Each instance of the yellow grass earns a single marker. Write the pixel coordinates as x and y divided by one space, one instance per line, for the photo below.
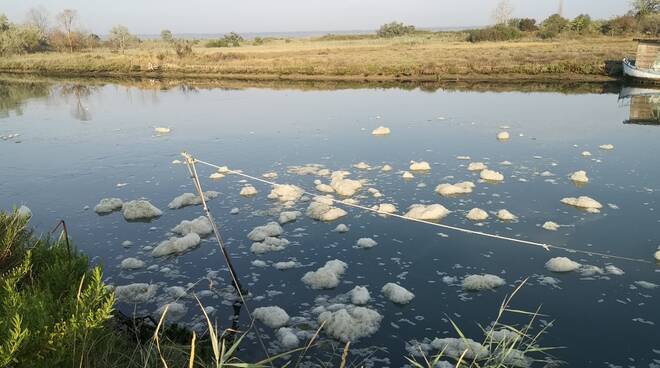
417 58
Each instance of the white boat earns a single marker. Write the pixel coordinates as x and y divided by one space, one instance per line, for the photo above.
631 70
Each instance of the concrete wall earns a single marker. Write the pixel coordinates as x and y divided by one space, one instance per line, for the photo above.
647 54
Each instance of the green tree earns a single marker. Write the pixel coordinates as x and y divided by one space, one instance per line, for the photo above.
645 7
395 29
120 37
4 23
166 35
553 26
581 23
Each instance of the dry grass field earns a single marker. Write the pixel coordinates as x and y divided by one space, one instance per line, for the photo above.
423 58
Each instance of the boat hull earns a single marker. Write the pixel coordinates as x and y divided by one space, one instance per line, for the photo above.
630 70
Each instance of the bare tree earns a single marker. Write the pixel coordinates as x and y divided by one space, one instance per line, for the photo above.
38 18
503 12
120 37
645 7
66 20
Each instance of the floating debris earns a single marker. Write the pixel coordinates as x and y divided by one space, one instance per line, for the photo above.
131 263
191 199
583 202
431 212
397 294
326 277
200 226
273 316
482 282
350 323
176 245
140 210
561 264
550 225
505 215
248 191
490 175
477 166
136 293
108 205
419 166
360 295
477 214
580 177
366 243
447 190
381 130
503 136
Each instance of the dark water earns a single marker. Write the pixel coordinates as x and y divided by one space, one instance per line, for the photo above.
78 141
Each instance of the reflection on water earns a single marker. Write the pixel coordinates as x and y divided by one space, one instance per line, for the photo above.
64 165
644 105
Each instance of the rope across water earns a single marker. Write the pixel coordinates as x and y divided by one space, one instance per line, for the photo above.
517 241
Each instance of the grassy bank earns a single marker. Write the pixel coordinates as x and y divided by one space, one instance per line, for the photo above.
421 58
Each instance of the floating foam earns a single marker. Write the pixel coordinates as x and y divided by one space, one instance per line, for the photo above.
259 263
260 233
583 202
269 244
477 166
176 245
341 228
350 323
269 175
407 175
397 294
286 193
580 177
326 277
550 225
455 348
360 295
657 256
586 153
190 199
140 210
325 188
286 265
385 208
216 176
287 338
502 136
342 186
606 147
321 210
646 284
463 157
386 168
289 216
448 190
24 212
482 282
131 263
366 243
613 270
561 264
248 191
107 205
505 215
362 166
200 226
419 166
175 311
477 214
162 130
431 212
136 293
491 175
381 130
273 316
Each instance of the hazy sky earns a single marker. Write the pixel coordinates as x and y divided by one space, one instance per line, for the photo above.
218 16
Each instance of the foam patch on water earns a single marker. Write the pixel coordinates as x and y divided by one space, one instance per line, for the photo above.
326 277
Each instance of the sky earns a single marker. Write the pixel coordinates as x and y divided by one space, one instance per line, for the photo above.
220 16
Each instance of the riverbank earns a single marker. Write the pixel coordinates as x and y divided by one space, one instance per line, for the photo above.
419 58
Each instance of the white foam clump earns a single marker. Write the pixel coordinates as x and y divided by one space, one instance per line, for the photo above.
491 175
366 243
248 191
419 166
614 270
273 316
657 256
586 153
561 264
646 284
447 189
326 277
270 244
259 263
175 311
344 187
341 228
477 166
455 348
131 263
288 216
260 233
381 130
140 210
200 226
107 205
162 130
136 293
362 166
606 147
176 245
502 136
477 214
482 282
24 212
580 177
463 157
360 295
285 265
269 175
325 188
550 225
427 212
321 209
387 208
386 168
350 323
191 199
287 338
407 175
584 202
397 294
216 175
505 215
286 193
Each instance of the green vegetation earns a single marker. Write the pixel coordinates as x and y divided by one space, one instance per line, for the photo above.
231 39
499 32
395 29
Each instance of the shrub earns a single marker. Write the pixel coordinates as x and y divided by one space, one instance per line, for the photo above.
395 29
581 24
553 26
166 35
620 26
182 48
495 33
20 40
258 41
524 24
650 25
231 39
